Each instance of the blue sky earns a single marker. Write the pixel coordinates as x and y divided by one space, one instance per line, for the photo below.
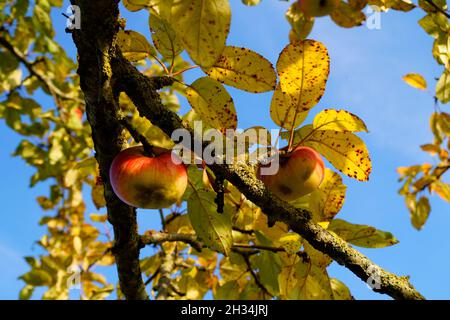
365 78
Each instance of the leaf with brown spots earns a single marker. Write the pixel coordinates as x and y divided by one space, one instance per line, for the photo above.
134 46
362 235
203 27
244 69
327 201
303 68
284 112
339 120
345 151
211 101
164 37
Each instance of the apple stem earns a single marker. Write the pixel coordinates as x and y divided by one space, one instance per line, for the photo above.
137 136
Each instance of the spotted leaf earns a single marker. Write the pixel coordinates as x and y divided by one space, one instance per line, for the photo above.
338 120
212 103
203 28
244 69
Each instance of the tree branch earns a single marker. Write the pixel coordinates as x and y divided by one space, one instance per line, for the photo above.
142 92
95 47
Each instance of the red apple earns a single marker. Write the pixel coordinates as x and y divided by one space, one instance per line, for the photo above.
300 172
317 8
149 182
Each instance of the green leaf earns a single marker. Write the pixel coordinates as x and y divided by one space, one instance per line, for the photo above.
362 235
269 266
340 290
213 228
26 292
420 215
443 88
37 277
202 27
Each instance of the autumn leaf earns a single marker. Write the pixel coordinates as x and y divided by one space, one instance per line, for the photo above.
345 151
244 69
212 103
303 69
415 80
134 46
284 112
202 27
338 120
362 235
164 37
328 200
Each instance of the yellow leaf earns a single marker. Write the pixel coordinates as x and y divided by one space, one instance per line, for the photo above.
420 213
291 242
212 103
347 16
338 120
415 80
303 68
243 69
442 189
284 112
134 46
345 151
98 196
316 257
164 37
160 7
340 290
203 28
328 200
362 235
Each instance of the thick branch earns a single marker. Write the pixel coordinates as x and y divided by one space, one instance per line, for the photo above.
95 47
142 92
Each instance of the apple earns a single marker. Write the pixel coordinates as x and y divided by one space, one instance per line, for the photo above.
300 172
149 182
317 8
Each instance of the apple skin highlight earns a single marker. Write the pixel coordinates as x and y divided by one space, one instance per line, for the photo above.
301 172
147 182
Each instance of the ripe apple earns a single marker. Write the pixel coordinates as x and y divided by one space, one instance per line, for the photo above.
301 172
149 182
317 8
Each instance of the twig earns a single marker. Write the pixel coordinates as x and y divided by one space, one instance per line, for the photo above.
445 13
255 276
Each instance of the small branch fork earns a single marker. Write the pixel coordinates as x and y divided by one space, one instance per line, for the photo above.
104 74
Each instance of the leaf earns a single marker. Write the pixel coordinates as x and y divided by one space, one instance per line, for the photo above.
202 27
346 16
345 151
98 196
164 37
291 242
301 25
327 201
340 290
269 266
284 112
313 282
338 120
303 68
26 292
420 213
159 7
244 69
362 235
212 103
251 2
442 189
213 228
415 80
134 46
443 88
228 291
37 278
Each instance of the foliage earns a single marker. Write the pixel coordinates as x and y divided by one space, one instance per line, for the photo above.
254 260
